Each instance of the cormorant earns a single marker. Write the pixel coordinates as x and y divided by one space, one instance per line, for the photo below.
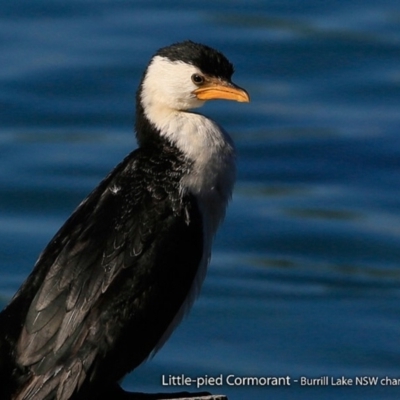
116 279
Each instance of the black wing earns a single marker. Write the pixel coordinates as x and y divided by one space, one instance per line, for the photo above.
109 284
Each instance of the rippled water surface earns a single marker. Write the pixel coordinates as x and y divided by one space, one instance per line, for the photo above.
305 276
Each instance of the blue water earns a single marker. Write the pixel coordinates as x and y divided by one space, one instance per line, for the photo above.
305 275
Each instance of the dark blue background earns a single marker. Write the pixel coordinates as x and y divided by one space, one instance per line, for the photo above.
305 276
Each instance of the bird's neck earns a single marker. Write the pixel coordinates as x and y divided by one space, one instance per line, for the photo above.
147 134
196 136
207 147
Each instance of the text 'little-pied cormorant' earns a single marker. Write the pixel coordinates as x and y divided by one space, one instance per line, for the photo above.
116 279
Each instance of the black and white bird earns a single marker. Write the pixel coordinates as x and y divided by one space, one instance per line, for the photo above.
116 279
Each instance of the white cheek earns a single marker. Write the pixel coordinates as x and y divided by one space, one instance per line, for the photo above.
169 83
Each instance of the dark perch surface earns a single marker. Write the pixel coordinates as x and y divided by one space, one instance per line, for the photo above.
120 394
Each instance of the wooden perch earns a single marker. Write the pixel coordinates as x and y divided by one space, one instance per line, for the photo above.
176 396
117 393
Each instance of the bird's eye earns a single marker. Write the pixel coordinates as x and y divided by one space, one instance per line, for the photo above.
197 79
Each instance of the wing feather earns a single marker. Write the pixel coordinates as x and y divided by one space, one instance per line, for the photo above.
65 334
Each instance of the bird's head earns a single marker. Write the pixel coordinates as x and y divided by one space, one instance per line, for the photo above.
184 75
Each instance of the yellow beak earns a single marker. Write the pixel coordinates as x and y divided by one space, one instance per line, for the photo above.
217 89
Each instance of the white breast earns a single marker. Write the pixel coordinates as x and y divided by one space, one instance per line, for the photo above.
211 150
